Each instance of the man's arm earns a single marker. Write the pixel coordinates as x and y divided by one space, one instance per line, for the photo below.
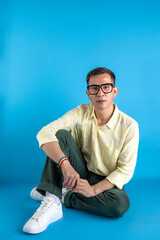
53 151
72 178
90 191
127 158
49 143
48 133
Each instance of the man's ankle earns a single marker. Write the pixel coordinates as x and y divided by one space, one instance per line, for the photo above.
56 199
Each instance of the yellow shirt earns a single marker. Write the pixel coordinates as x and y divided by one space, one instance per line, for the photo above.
109 150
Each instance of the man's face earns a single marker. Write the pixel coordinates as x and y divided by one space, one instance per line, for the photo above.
102 100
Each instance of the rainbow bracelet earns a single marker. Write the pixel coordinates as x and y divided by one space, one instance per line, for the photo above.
61 161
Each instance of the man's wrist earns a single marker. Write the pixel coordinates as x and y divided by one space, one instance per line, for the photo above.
62 160
65 164
94 190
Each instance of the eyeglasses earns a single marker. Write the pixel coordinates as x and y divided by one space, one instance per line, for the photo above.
106 88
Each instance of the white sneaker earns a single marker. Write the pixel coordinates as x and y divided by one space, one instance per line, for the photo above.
47 213
36 195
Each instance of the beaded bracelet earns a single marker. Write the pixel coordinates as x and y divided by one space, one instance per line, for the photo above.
61 161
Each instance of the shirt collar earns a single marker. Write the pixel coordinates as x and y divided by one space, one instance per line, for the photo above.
113 121
91 113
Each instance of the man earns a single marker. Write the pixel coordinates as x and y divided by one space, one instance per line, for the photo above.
91 153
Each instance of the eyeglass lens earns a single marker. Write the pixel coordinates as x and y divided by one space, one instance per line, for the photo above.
106 88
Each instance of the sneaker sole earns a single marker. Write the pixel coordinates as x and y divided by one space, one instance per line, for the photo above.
36 231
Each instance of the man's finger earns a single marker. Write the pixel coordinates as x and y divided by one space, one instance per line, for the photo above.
71 183
77 182
65 182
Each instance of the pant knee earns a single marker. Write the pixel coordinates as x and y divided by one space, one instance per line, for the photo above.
121 207
62 132
119 203
118 210
64 136
65 141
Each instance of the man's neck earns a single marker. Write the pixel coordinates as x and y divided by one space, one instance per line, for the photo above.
103 116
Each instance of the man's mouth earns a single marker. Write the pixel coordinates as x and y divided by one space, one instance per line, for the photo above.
101 101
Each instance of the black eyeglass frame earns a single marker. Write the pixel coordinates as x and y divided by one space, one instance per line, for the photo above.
100 86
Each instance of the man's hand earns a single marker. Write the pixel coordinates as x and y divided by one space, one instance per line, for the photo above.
85 188
71 176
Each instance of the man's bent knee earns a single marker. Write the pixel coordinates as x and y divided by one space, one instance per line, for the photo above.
119 202
119 209
62 132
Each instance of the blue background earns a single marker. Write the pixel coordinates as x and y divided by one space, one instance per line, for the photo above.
47 48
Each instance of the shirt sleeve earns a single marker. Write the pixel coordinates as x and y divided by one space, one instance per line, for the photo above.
127 158
67 122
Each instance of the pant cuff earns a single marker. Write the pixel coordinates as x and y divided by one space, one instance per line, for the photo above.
67 199
44 186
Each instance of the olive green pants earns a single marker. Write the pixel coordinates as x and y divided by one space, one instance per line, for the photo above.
111 203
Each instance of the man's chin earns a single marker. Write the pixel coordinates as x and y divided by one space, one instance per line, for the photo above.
101 106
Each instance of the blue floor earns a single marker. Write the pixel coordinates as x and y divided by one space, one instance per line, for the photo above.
142 221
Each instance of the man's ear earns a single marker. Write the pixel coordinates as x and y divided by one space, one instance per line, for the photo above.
115 90
88 94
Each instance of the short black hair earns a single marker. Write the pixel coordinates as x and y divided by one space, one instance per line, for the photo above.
100 70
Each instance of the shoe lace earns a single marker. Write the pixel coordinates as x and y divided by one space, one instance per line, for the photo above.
44 207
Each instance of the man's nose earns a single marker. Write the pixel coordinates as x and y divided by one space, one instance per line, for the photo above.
100 93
